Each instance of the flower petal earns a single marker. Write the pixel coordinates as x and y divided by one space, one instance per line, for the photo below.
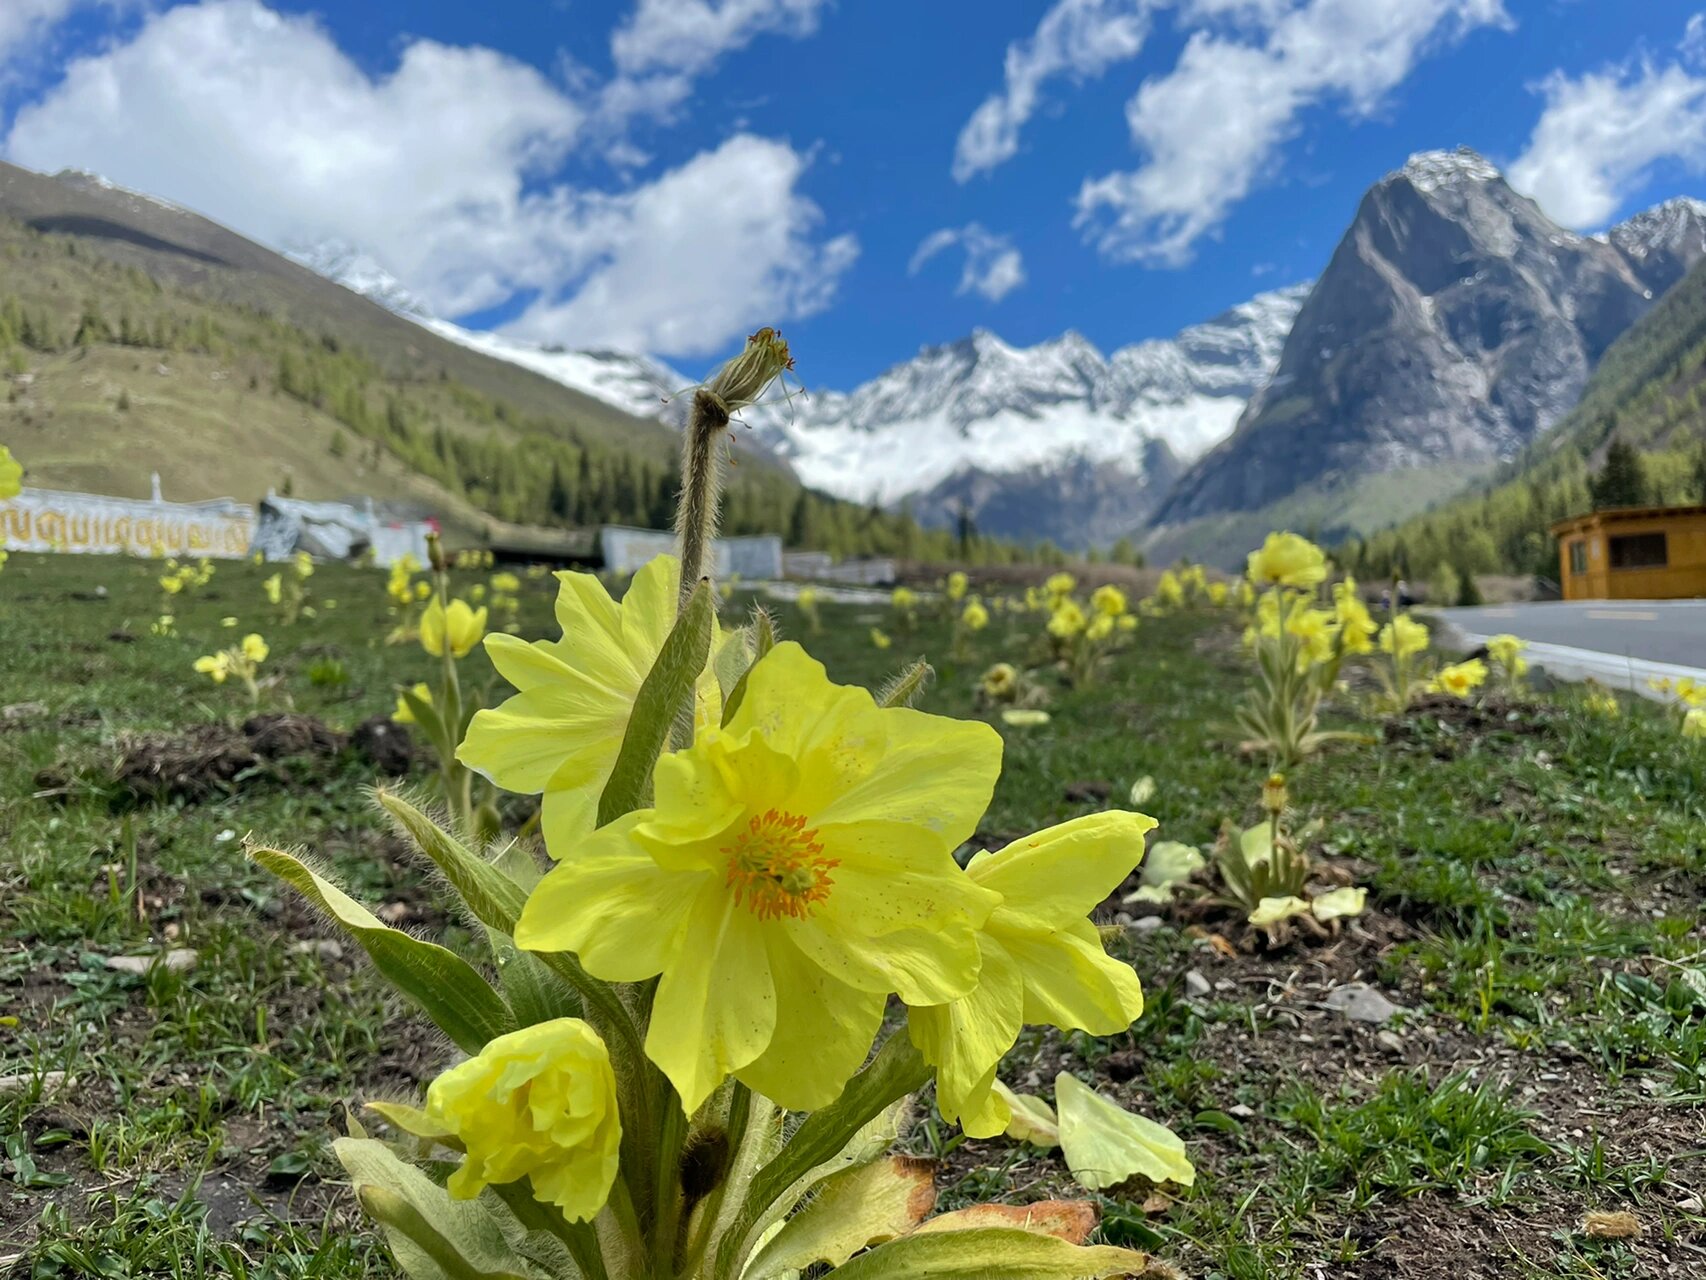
717 1014
1064 873
615 908
1072 983
824 1030
966 1040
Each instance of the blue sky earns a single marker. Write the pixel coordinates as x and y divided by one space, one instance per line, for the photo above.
666 174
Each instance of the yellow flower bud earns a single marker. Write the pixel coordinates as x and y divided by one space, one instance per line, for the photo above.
11 474
537 1103
254 648
457 628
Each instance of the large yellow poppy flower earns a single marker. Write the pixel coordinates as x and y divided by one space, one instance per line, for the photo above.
797 868
561 734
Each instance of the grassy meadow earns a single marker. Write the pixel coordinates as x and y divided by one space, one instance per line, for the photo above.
1535 871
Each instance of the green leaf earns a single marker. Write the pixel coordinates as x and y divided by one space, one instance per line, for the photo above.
1218 1120
852 1210
990 1253
763 641
855 1128
903 689
433 1235
494 898
431 723
667 688
448 989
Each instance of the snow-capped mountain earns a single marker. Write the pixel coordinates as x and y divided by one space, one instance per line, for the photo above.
1055 440
978 420
1662 243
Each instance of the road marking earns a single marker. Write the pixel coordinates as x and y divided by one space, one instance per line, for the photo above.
1623 615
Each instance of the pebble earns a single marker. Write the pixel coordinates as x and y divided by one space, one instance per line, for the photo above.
1692 1204
1362 1003
325 948
23 710
1147 924
1226 984
51 1081
1242 1112
177 960
1389 1041
1196 985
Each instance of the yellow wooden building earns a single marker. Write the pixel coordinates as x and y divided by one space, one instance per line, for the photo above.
1633 553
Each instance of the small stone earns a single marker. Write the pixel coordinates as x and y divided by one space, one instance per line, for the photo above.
1196 986
23 711
394 912
225 837
1691 1204
51 1082
1389 1041
1241 1111
1226 984
1123 920
325 948
1147 924
177 960
1362 1003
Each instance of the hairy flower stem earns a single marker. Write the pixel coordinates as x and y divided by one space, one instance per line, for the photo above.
701 488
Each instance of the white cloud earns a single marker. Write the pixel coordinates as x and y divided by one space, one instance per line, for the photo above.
665 44
1077 38
442 169
993 267
707 250
690 35
1694 39
1211 129
1601 133
25 26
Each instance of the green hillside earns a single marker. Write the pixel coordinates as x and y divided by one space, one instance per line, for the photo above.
1649 391
136 337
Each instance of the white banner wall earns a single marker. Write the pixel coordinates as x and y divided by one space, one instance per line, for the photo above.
52 520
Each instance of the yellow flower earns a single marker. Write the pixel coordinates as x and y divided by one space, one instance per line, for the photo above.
1403 637
302 564
537 1103
228 622
1100 628
1694 724
975 617
1024 718
903 598
216 665
1461 679
11 474
1690 692
404 714
806 598
1287 560
1315 628
1602 703
1356 626
457 627
958 584
880 638
477 592
1506 650
423 590
1067 620
1060 584
1000 681
1042 960
171 584
1168 589
255 648
1126 622
1109 601
507 583
274 587
561 733
1217 593
796 869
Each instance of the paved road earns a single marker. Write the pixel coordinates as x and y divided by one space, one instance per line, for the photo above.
1668 631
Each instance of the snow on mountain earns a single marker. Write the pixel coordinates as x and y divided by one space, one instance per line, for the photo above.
976 421
634 384
361 273
982 405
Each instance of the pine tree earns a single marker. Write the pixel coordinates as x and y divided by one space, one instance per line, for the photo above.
1622 480
557 500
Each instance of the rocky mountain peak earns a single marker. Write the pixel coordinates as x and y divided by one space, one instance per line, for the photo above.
1429 171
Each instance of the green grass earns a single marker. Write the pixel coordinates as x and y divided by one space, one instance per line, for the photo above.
1535 890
